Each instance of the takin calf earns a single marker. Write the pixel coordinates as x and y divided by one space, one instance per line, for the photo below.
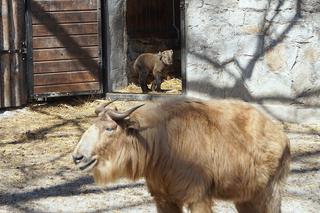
149 65
190 152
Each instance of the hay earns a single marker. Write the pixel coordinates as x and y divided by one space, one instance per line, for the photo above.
39 140
172 86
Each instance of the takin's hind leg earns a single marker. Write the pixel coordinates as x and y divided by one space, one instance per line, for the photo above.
167 207
271 206
201 207
268 201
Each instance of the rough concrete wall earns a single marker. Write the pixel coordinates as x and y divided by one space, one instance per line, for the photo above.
116 44
258 50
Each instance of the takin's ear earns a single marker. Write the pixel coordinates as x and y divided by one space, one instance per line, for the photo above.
132 124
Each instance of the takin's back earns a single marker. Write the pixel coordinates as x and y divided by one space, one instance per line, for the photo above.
147 61
235 148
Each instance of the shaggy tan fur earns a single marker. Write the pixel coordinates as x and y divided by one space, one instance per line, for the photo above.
152 66
190 152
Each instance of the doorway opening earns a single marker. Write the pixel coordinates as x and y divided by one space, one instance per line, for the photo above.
153 27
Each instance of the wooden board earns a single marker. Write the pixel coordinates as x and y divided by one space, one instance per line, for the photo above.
65 29
64 78
53 42
79 87
64 53
62 5
64 65
65 17
5 58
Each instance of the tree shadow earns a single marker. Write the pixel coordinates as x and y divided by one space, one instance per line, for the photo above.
122 207
29 171
303 157
305 170
70 188
41 133
240 90
299 156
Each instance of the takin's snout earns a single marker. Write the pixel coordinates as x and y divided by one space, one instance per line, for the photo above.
83 155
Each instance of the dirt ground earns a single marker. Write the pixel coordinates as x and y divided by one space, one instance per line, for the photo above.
37 173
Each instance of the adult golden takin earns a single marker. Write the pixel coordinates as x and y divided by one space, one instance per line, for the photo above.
190 152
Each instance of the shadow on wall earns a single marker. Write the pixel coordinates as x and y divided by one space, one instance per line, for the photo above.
206 87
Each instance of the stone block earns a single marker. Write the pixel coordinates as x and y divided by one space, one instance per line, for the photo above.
283 5
250 45
311 6
281 58
253 4
270 86
302 32
304 78
281 16
235 17
250 30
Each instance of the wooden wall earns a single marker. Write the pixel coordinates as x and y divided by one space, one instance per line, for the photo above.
13 90
65 46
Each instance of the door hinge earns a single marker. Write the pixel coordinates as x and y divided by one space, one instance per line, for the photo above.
22 50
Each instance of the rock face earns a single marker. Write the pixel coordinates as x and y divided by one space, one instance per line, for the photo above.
257 50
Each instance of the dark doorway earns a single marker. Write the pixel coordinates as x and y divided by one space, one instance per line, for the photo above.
151 27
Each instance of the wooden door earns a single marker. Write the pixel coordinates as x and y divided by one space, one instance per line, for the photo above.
64 47
13 91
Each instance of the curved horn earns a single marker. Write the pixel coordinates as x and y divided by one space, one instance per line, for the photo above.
103 106
121 115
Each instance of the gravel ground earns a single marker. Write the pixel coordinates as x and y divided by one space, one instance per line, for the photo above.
37 175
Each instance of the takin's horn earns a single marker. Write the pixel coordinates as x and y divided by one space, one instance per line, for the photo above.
102 107
121 115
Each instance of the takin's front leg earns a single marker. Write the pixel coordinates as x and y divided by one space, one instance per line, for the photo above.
143 75
201 207
156 85
167 207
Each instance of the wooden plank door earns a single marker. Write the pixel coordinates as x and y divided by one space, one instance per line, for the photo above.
12 54
65 47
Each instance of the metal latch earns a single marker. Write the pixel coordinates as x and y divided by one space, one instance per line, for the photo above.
22 50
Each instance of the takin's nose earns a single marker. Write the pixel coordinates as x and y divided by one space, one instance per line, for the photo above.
77 158
84 163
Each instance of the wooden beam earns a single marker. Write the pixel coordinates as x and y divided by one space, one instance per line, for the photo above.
17 68
5 58
139 97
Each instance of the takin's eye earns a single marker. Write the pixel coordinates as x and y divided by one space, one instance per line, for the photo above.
109 129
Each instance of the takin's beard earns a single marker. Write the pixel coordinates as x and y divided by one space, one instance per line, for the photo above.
105 172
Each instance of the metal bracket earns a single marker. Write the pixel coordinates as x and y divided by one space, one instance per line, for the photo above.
22 50
183 5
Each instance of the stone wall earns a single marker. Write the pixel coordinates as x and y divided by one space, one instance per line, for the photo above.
257 50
